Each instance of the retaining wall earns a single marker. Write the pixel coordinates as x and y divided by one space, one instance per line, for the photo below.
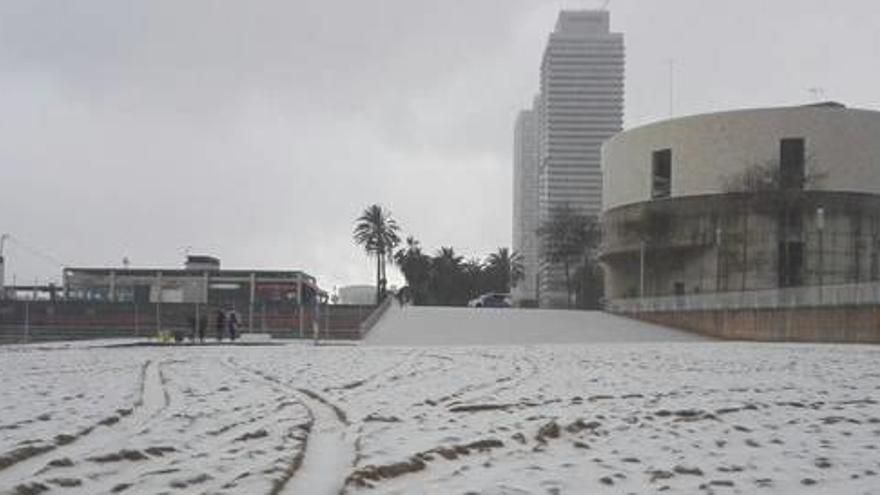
841 324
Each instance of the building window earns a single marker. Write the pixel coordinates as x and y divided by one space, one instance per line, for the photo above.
661 174
791 163
875 266
791 264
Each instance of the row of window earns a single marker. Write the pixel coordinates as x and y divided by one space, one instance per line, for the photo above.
791 168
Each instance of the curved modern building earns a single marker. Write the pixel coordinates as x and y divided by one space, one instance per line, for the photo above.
743 200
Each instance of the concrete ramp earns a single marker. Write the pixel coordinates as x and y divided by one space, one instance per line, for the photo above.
412 325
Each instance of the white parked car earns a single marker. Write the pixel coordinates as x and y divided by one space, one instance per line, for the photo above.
491 300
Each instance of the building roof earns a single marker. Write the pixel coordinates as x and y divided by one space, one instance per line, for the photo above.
182 271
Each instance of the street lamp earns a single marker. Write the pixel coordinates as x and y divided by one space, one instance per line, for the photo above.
718 240
820 227
642 247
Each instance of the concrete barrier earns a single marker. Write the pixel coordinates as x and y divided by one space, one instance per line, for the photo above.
839 324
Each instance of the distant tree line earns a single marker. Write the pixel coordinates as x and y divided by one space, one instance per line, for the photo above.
447 279
443 278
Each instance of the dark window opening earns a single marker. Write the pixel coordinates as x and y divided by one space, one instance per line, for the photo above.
661 174
791 221
679 291
791 163
875 266
791 264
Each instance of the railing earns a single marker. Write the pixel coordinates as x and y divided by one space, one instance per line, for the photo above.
376 315
791 297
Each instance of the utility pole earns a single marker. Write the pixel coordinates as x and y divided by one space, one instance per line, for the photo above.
158 302
27 321
251 302
327 317
3 238
642 269
299 302
718 240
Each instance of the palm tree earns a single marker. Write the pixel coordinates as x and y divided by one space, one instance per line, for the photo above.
416 267
446 277
376 231
505 269
474 275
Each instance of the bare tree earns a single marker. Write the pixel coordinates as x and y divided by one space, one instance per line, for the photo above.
767 187
569 238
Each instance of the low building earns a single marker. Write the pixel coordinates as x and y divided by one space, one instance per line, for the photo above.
357 294
779 203
200 281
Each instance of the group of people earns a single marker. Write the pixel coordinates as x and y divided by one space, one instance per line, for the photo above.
226 324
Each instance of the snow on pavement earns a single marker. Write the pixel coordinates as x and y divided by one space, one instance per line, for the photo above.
411 325
602 417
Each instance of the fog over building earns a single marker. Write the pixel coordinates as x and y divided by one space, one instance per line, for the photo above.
580 106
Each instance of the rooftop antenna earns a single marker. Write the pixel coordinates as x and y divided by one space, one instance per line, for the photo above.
671 63
3 238
125 262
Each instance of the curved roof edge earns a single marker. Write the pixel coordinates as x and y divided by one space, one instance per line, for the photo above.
825 106
807 194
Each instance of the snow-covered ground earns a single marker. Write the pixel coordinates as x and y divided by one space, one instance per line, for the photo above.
591 417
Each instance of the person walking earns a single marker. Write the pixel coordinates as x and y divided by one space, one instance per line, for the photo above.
203 325
220 324
192 328
316 320
233 325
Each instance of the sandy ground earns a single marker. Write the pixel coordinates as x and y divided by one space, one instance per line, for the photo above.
597 417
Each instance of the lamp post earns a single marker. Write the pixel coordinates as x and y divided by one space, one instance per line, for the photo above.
158 301
718 239
820 227
642 269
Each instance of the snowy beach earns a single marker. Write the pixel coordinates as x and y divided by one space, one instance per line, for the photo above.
634 416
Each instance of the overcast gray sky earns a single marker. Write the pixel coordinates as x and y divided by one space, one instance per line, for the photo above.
257 131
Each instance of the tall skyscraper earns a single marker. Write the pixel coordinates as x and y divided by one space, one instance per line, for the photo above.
525 200
581 105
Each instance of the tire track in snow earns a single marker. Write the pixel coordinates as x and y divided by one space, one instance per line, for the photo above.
152 400
479 385
359 384
476 383
15 457
524 370
165 468
327 455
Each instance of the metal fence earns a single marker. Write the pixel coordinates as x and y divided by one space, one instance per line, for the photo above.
36 321
790 297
